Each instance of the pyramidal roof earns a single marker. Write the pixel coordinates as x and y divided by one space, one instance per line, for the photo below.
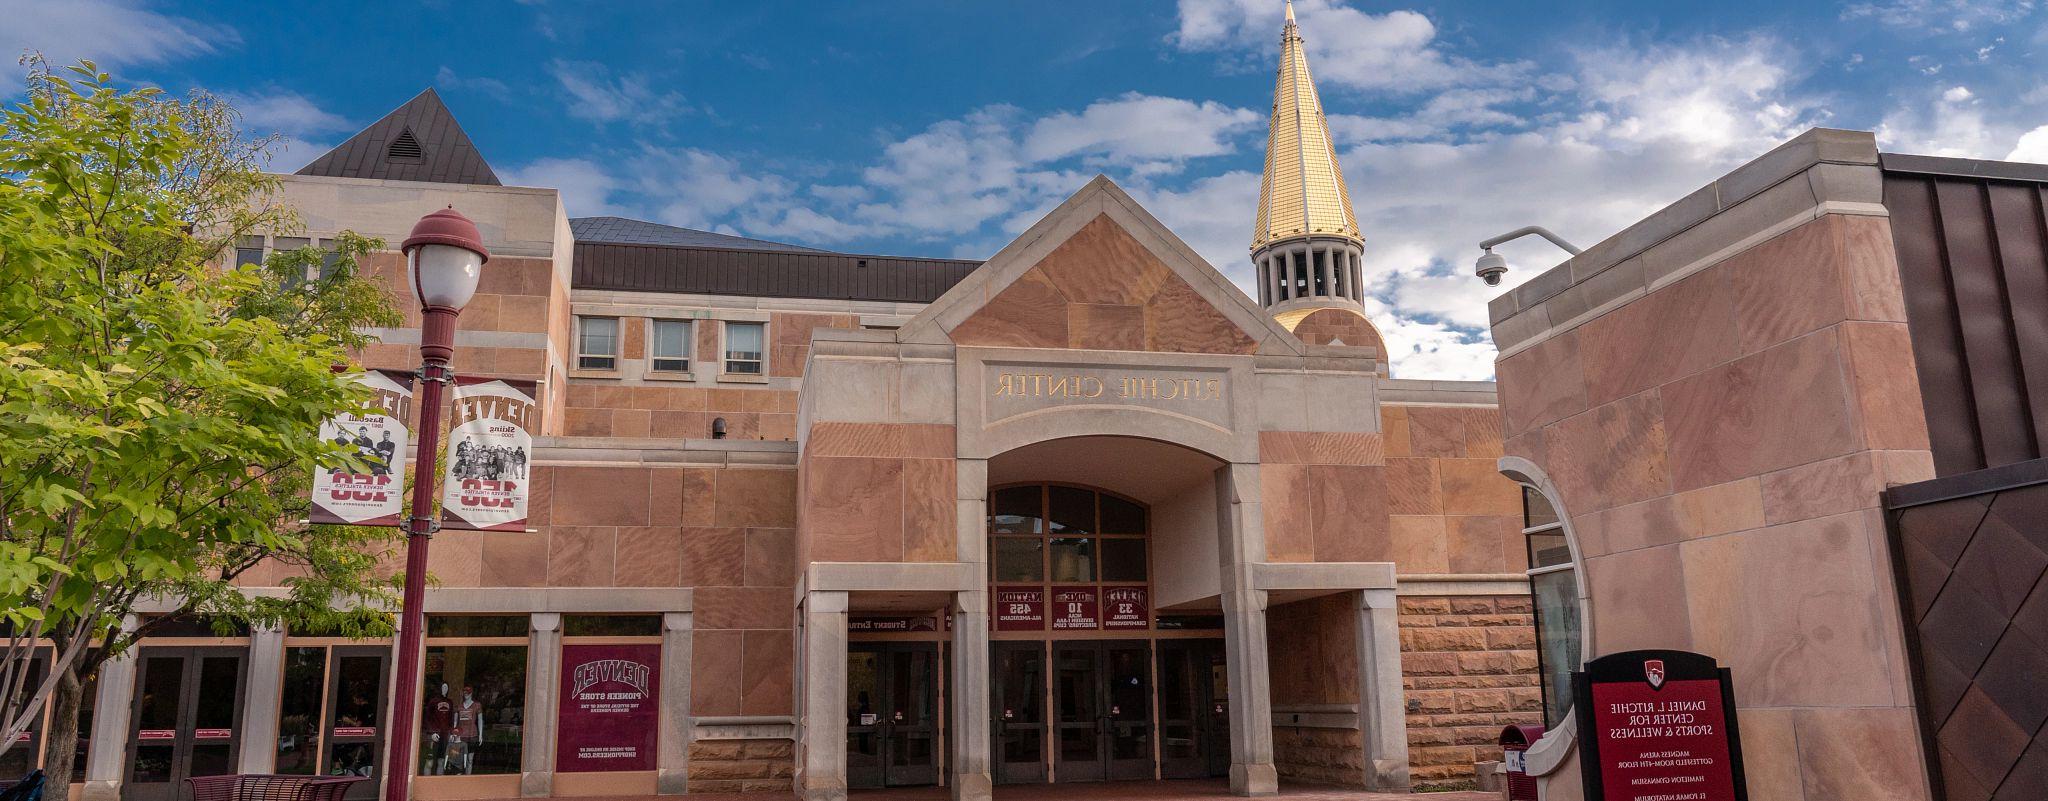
418 141
1303 193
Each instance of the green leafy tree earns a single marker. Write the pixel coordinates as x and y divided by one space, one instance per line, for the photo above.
159 404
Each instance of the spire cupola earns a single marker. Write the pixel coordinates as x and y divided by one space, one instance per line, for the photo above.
1305 242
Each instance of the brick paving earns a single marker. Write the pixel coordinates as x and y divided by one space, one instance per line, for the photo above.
1107 791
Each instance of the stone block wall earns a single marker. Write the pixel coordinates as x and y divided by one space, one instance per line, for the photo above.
1315 755
1468 666
741 766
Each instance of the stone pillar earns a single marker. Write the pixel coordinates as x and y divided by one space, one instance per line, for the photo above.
266 691
1382 710
1293 274
543 683
967 697
106 760
1357 276
821 735
1243 544
672 742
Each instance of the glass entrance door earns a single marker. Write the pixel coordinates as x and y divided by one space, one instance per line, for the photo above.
1194 710
1017 680
355 706
892 719
1102 696
188 704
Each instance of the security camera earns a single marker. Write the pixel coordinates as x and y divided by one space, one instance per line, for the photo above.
1490 267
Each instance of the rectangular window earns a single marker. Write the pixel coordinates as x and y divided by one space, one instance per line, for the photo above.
298 711
611 625
671 350
471 721
743 346
328 257
249 251
287 243
597 343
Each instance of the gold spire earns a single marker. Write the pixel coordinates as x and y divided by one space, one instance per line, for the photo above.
1303 192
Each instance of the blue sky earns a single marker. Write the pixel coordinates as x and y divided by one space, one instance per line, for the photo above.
944 128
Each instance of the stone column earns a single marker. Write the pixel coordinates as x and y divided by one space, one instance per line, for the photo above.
967 697
1243 545
543 682
672 742
1382 711
259 712
1357 276
822 720
106 760
1292 289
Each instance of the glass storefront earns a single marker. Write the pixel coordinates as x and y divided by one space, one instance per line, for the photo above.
473 716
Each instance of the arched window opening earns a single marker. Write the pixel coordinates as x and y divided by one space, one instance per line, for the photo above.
1554 582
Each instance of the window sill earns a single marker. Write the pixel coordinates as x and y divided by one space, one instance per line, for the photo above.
668 375
742 378
587 373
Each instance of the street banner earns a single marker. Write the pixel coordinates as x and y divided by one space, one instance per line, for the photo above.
610 707
489 447
375 496
1658 726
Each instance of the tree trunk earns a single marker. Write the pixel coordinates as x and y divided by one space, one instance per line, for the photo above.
60 740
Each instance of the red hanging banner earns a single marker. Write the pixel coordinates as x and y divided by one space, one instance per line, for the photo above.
372 492
489 448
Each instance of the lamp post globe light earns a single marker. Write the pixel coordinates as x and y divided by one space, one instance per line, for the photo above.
444 257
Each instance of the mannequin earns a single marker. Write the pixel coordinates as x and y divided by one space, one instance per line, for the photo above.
437 722
468 730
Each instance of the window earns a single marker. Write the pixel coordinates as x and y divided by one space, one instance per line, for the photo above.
1051 540
611 625
473 719
671 346
1555 585
743 343
289 243
328 258
597 343
249 251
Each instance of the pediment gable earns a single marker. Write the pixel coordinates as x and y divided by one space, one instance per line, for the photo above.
1099 273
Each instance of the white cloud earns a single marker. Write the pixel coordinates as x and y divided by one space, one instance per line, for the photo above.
697 188
1396 51
111 32
2033 146
1946 122
1136 128
447 78
287 112
595 95
1936 16
585 185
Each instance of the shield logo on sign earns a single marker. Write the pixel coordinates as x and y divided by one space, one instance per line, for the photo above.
1653 671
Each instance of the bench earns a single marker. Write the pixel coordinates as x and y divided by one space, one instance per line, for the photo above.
270 787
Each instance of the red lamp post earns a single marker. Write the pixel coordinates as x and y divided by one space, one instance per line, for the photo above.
444 256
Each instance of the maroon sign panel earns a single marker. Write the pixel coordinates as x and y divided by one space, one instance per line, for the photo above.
1658 726
1125 608
609 709
1020 609
1076 608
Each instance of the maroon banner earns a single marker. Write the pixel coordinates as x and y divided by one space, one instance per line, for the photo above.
1076 608
371 493
489 446
609 708
1126 608
1658 726
1020 609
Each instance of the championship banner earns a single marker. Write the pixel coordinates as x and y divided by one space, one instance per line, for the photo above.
375 497
488 450
609 709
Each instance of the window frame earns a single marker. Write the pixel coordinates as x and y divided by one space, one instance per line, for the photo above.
1561 527
611 360
654 356
726 360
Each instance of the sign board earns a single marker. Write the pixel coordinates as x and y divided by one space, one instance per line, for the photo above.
1020 609
372 492
609 707
1076 608
1658 726
489 448
1125 608
892 623
1011 389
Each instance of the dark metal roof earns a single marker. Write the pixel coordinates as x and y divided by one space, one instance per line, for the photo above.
624 231
418 141
1972 244
764 273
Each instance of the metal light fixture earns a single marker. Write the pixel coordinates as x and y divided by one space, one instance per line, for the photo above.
444 257
1491 266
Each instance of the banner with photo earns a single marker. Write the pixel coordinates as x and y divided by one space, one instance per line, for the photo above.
375 496
489 447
